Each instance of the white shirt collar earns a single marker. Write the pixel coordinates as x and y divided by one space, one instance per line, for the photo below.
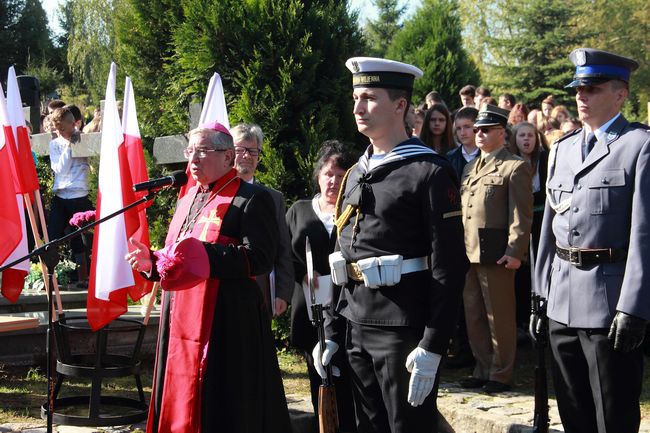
469 156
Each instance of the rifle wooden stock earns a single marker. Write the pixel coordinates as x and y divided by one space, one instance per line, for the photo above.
328 418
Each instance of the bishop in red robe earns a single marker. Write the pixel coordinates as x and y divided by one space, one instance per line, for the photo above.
216 368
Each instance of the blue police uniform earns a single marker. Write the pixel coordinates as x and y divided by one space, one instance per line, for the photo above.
592 258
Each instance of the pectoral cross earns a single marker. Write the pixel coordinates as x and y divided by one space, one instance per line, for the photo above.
206 221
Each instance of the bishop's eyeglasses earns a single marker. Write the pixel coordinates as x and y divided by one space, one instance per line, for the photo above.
190 152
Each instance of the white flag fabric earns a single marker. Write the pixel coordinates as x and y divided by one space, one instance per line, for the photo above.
122 164
112 272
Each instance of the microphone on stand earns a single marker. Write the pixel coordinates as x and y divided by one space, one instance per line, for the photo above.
176 179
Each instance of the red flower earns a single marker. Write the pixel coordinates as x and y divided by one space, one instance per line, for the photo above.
80 219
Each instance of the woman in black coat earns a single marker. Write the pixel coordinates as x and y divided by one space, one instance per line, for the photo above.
314 218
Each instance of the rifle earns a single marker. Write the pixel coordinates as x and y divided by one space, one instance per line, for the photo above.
538 308
328 417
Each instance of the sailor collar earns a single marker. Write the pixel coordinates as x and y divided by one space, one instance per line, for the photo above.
406 149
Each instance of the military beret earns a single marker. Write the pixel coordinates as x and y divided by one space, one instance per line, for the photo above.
492 115
384 73
598 66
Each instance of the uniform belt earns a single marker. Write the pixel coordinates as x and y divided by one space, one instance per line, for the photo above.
408 266
591 256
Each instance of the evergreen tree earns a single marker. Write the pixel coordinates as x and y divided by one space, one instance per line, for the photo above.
623 27
144 49
23 34
432 41
540 36
380 32
281 62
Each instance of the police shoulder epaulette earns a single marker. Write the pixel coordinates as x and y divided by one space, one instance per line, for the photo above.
567 135
639 125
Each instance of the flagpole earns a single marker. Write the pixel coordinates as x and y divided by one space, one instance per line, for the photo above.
152 301
37 239
46 238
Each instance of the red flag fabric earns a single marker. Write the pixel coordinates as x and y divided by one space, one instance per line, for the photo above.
9 216
111 277
24 167
136 221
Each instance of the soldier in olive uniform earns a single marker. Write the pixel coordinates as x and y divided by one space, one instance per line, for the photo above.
497 198
594 251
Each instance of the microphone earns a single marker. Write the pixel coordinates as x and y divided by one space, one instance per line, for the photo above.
175 179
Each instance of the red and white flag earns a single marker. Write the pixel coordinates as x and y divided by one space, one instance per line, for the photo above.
25 168
12 214
214 110
111 277
136 222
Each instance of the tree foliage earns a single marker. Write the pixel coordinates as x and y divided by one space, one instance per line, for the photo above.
523 47
380 32
538 37
432 41
281 62
23 34
624 28
91 42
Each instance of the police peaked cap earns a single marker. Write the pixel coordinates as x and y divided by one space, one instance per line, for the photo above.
598 66
384 73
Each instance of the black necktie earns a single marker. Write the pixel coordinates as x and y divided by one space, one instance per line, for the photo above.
590 142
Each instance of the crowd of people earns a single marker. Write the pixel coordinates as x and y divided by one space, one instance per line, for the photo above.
426 248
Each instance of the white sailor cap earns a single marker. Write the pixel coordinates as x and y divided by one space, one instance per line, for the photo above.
384 73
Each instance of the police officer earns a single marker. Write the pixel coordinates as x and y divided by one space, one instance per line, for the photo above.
401 264
593 255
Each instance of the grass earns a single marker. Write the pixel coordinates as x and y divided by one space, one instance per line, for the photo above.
23 389
294 373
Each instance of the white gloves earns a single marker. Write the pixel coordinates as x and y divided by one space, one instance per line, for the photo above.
321 360
423 366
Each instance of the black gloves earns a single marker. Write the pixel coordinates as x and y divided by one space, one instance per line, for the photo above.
627 332
538 325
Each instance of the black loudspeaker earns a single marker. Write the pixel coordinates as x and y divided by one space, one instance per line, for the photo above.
29 90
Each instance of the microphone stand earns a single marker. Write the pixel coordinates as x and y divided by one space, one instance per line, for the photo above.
49 253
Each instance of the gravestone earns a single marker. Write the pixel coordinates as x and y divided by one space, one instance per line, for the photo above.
166 150
169 149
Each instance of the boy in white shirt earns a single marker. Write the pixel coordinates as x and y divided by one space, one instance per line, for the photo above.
70 187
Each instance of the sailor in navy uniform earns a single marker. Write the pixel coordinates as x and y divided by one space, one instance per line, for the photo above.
594 252
401 262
